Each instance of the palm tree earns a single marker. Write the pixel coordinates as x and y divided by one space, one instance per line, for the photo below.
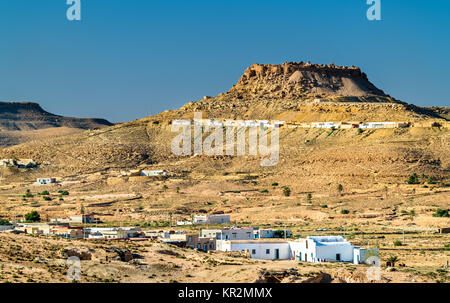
392 260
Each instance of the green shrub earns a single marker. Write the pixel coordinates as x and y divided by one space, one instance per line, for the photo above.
413 179
4 222
441 213
275 184
44 193
33 217
324 206
47 198
28 194
398 243
286 191
431 180
345 211
265 191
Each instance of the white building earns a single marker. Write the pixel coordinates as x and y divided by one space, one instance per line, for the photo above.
325 125
258 249
211 219
112 233
183 223
322 248
45 181
232 233
154 173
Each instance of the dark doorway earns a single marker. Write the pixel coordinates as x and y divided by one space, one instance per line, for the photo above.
338 257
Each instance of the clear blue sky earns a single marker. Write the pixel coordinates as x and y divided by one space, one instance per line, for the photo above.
128 59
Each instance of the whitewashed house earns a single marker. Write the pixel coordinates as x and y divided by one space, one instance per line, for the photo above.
325 125
258 249
112 233
154 173
45 181
322 249
231 233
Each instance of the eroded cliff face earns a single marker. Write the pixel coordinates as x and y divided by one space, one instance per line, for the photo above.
306 80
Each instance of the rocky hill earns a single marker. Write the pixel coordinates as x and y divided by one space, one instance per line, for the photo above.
305 92
25 121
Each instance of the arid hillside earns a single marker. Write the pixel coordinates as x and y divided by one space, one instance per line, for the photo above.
292 92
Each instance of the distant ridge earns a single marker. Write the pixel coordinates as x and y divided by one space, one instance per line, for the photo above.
26 116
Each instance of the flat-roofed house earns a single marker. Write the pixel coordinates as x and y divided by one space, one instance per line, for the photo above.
154 173
84 219
112 233
38 228
322 249
257 249
232 233
45 181
211 219
67 232
202 243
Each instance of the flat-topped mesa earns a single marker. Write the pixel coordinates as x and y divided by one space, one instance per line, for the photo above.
15 116
298 80
285 69
17 106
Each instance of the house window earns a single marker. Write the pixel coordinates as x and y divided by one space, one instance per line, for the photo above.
253 251
190 239
267 251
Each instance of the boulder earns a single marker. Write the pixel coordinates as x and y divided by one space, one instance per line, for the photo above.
119 254
83 253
